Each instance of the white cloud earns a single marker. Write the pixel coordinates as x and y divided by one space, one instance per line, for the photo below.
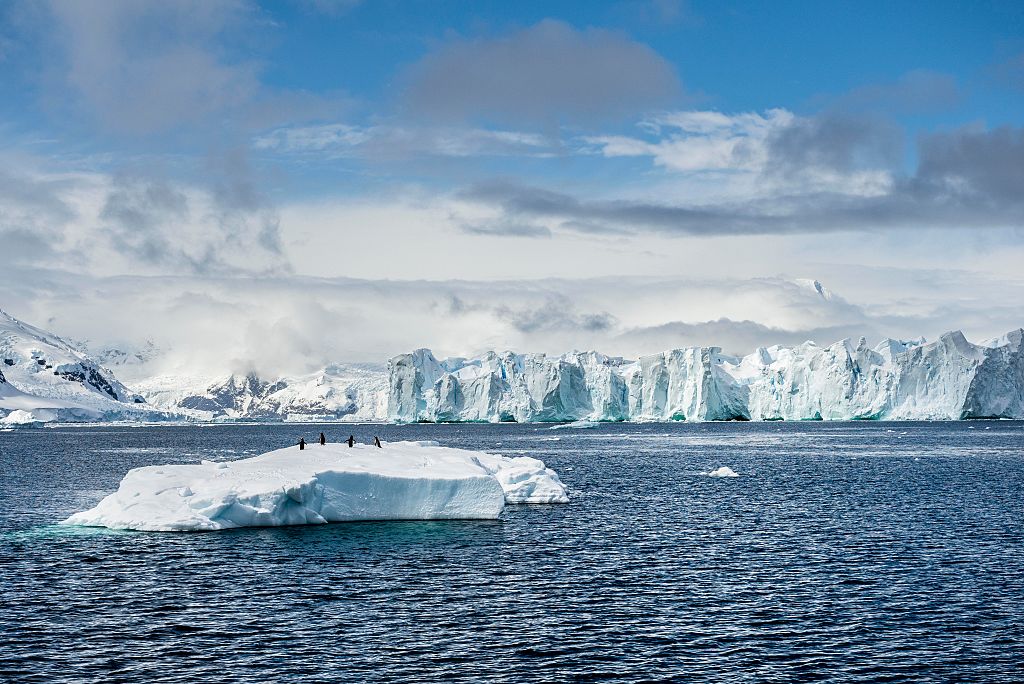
313 138
392 141
214 324
701 141
103 224
141 67
738 151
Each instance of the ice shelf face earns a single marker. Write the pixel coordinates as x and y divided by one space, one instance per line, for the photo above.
948 379
44 378
321 484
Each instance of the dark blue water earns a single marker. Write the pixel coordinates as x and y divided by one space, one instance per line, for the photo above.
845 551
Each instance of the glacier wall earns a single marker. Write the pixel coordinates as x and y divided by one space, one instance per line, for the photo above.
947 379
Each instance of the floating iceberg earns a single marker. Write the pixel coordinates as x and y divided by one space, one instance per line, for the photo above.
19 418
576 425
723 471
322 484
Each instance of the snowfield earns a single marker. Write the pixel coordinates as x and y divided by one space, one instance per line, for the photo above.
44 379
322 484
338 392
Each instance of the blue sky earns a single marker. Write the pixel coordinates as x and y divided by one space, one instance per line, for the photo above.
740 56
722 147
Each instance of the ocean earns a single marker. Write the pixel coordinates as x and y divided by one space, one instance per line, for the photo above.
842 552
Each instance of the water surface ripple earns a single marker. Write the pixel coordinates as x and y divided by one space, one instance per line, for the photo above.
843 552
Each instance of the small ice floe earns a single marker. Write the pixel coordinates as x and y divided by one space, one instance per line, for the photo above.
325 483
576 425
723 471
20 419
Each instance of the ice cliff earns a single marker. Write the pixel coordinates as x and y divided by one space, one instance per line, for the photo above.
321 484
45 378
948 379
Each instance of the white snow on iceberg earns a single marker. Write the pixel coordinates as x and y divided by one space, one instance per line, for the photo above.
524 479
322 484
576 425
723 471
19 418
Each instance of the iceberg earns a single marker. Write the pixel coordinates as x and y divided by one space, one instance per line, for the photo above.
723 471
20 418
322 484
575 425
948 379
506 387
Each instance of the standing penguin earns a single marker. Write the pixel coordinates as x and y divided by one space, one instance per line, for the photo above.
323 440
376 442
351 441
302 443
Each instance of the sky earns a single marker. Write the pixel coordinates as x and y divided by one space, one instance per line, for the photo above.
274 186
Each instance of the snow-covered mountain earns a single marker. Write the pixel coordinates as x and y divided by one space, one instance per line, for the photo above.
948 379
44 378
337 392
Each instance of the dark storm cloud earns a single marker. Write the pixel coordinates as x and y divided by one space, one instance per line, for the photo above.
522 204
980 167
834 141
964 179
545 73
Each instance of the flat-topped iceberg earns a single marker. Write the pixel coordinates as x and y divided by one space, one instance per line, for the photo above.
322 484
